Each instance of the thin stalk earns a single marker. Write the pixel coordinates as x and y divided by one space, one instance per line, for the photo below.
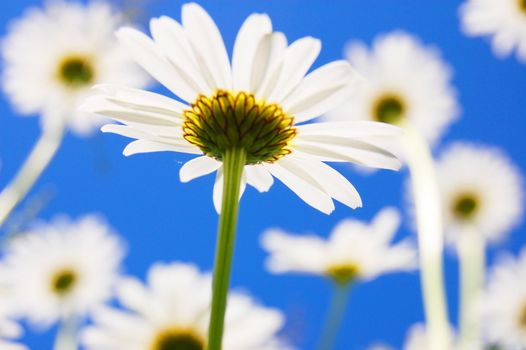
471 251
66 338
430 237
233 163
37 161
335 315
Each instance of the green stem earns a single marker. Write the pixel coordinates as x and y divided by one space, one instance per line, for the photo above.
428 211
472 261
34 165
233 163
334 316
66 335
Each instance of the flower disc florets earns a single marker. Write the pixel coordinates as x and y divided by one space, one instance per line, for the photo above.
229 120
175 339
389 109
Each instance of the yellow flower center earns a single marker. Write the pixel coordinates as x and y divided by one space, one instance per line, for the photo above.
178 339
76 71
465 206
229 120
64 281
522 6
522 318
343 273
389 108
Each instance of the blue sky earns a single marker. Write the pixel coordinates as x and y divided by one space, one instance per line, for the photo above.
164 220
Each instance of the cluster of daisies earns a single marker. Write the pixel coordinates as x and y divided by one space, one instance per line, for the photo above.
65 64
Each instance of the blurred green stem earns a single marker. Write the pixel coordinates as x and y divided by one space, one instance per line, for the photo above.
67 334
471 251
428 210
334 316
233 164
34 165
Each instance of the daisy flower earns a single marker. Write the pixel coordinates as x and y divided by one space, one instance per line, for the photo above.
253 106
504 304
172 312
354 250
471 199
52 56
502 20
406 83
63 269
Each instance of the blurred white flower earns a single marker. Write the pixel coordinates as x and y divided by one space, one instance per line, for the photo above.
9 330
502 20
172 312
252 105
53 56
355 249
63 269
504 303
405 82
481 189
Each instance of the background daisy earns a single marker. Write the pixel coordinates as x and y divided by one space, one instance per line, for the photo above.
481 188
172 312
52 56
405 83
63 269
504 304
503 21
354 250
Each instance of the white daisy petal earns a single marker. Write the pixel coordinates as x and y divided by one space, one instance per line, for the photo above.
207 45
299 57
244 58
218 188
322 90
101 105
198 167
217 194
267 66
360 129
348 150
147 146
140 99
334 183
146 54
301 183
170 37
259 177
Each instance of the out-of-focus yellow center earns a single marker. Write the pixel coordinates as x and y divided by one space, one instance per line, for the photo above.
522 317
228 120
76 71
343 273
64 281
389 108
178 339
465 206
522 6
